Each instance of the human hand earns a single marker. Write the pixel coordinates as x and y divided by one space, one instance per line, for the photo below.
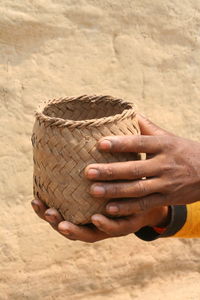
101 227
172 171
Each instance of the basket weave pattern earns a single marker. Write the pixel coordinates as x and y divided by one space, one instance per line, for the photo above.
64 141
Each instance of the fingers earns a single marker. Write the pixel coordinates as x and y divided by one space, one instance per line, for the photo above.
85 233
39 208
123 170
135 205
53 217
131 143
149 128
73 232
138 188
89 234
117 227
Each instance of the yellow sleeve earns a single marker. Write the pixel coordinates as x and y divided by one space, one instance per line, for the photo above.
191 228
184 223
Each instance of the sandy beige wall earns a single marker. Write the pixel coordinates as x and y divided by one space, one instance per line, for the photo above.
144 51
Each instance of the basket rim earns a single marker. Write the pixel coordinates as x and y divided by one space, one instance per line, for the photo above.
59 122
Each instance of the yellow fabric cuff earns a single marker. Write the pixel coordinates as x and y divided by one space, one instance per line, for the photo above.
191 228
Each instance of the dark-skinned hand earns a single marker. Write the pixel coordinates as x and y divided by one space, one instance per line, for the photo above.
171 171
101 227
171 174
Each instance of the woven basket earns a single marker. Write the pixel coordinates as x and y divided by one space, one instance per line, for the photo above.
64 141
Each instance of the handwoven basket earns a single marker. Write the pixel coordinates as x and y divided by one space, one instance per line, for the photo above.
64 141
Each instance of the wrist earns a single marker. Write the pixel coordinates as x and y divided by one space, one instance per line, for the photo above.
159 217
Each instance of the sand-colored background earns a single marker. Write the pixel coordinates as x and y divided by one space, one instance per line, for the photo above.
144 51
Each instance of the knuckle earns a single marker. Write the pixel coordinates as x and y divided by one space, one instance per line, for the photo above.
135 171
140 143
159 140
120 144
113 190
168 143
125 208
168 167
168 186
107 172
144 204
141 187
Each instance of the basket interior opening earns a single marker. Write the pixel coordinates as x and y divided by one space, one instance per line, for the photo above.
78 110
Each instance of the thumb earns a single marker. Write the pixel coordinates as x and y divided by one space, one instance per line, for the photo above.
149 128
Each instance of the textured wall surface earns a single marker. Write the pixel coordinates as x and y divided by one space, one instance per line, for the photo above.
144 51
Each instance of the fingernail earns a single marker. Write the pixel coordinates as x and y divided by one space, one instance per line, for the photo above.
93 173
50 218
35 207
64 228
113 208
105 145
96 221
65 232
97 190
